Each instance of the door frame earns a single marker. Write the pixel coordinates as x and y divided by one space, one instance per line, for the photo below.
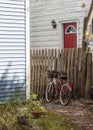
62 31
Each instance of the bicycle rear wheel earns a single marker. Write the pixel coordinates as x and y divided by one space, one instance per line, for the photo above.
49 92
64 95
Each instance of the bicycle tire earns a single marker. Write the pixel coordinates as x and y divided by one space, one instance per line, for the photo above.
65 95
49 92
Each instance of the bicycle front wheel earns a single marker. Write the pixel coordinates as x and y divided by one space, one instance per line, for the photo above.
49 92
64 95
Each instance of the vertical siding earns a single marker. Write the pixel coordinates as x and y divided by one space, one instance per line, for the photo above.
12 48
42 13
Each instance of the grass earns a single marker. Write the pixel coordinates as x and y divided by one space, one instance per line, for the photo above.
54 121
10 112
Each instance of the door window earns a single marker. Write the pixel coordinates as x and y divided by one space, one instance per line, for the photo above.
70 29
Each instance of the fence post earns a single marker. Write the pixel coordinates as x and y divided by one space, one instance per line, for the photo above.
79 71
84 74
88 86
75 73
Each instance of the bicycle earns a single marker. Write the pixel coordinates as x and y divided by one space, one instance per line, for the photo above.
58 87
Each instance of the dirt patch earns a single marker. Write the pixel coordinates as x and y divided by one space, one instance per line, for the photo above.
79 112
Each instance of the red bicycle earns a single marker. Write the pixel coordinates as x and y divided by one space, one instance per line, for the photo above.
58 87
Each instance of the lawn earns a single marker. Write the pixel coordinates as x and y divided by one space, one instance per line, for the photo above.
18 116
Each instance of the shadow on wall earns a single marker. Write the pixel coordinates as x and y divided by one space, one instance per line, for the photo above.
11 87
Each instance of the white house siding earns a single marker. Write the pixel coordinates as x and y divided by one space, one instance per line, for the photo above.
12 48
42 12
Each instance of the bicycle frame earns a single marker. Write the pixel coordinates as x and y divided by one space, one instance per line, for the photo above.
56 83
59 81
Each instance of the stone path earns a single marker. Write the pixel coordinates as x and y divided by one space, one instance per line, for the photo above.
78 112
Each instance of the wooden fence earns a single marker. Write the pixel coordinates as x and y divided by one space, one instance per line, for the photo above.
76 64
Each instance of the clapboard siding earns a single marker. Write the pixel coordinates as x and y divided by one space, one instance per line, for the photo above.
12 48
42 35
12 76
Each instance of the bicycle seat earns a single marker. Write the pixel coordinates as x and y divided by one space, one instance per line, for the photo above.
64 77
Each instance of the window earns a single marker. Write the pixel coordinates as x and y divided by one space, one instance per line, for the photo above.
70 29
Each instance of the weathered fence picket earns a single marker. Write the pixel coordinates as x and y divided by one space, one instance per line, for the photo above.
72 61
79 70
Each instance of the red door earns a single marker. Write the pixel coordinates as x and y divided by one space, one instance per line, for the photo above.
70 35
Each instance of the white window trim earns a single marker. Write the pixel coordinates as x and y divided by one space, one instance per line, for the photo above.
62 32
27 49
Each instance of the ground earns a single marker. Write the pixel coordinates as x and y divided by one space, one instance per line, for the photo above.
77 115
79 112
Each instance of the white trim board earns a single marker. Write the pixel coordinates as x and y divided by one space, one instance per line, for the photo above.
62 32
27 49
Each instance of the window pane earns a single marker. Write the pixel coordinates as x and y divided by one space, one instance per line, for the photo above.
70 29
